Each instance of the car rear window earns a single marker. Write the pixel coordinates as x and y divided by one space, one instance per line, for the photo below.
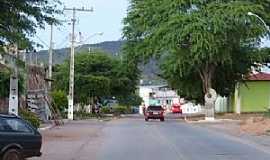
155 108
14 125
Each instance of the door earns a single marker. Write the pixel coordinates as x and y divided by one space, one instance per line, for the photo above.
16 131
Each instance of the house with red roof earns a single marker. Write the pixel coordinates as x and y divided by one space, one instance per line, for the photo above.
252 95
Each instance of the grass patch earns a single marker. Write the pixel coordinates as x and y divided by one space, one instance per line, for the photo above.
267 113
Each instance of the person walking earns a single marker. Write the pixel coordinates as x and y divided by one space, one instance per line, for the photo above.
98 110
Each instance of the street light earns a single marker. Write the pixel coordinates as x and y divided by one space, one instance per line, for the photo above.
71 80
260 18
91 36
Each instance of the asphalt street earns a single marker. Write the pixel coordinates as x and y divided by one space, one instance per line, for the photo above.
135 139
129 139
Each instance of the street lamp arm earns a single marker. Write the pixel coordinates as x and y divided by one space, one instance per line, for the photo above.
260 18
91 36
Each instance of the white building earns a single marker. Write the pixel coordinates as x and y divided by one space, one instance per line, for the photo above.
161 93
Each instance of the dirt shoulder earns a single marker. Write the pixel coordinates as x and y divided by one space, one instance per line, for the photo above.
254 124
75 140
254 129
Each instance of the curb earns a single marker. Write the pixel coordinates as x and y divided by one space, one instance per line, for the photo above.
212 121
46 128
65 121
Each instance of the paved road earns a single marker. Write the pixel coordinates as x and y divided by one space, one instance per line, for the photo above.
134 139
171 140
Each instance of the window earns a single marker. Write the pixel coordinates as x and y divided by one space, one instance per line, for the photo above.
15 125
1 125
155 108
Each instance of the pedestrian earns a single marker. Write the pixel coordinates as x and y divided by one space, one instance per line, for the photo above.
144 108
98 110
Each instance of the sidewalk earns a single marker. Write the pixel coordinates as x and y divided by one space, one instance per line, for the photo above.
75 140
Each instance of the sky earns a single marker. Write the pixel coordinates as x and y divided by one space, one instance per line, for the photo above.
107 18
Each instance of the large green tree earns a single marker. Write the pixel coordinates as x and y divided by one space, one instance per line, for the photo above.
205 44
96 75
5 73
4 82
19 19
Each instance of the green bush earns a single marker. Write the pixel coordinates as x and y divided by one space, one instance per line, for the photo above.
30 117
83 115
60 101
267 113
117 111
105 110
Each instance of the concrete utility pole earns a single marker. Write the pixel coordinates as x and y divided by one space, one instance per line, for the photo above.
51 58
13 94
72 50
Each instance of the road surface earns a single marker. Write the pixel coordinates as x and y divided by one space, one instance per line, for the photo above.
172 140
134 139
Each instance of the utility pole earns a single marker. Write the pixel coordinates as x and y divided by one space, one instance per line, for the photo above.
72 50
13 94
50 58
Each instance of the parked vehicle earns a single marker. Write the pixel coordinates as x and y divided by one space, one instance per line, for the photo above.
135 109
18 139
154 112
176 108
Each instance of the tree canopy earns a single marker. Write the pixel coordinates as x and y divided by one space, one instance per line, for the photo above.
204 44
5 82
96 75
19 19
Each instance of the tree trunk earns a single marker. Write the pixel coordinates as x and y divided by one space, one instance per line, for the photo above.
206 75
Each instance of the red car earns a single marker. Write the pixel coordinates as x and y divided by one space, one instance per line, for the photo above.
176 108
154 112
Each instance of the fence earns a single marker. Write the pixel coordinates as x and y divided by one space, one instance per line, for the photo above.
221 105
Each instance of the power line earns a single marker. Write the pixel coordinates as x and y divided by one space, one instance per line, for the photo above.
64 41
43 42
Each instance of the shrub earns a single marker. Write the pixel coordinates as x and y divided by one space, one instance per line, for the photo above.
267 113
30 117
105 110
117 111
60 101
83 115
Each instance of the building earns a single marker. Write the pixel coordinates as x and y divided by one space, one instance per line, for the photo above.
162 94
252 95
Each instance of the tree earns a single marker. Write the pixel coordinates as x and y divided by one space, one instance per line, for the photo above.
5 82
205 44
96 75
60 100
19 19
130 100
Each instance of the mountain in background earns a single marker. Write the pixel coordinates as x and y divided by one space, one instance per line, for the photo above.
60 55
149 70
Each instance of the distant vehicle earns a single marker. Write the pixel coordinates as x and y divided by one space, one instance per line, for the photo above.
135 109
176 108
154 112
18 139
110 103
